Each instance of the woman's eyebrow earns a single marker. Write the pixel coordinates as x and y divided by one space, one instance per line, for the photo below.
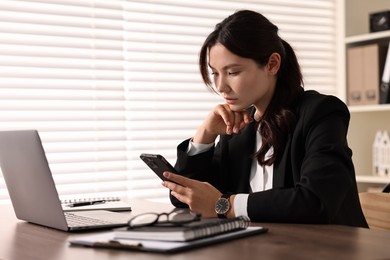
228 66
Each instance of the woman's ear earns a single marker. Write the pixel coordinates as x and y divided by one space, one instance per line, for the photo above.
273 64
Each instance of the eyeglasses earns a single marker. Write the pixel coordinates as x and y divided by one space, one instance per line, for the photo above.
175 217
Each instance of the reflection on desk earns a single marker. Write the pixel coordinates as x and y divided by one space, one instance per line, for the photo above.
21 240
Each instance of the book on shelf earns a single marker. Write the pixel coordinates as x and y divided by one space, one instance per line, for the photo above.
186 232
364 65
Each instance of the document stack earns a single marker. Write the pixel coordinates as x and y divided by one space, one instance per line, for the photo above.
171 239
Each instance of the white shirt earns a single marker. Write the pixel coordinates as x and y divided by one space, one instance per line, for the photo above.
260 176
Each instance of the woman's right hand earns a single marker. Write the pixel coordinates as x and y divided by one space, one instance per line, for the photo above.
221 120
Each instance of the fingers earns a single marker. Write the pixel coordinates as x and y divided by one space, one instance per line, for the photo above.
247 118
234 120
181 180
238 122
178 186
199 196
227 116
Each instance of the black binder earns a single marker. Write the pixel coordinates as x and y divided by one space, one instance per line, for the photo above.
384 92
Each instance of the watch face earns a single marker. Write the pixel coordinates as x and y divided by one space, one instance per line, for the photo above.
222 206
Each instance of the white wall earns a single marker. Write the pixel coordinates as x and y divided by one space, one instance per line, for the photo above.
357 14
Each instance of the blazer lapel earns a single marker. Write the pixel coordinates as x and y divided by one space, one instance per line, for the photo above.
281 166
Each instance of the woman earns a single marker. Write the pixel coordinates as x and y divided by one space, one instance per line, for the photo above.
282 154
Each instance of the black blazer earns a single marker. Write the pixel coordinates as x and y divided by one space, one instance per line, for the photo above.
314 179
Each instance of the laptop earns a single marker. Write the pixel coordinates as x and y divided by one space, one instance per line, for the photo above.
32 189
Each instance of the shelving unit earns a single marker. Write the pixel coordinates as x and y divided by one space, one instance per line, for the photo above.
366 38
365 122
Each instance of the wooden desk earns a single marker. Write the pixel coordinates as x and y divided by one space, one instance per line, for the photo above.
21 240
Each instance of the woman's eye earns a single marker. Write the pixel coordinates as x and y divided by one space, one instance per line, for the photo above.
233 73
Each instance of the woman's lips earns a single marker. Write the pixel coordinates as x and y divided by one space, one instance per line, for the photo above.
230 100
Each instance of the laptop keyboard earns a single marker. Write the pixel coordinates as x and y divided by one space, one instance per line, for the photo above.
81 221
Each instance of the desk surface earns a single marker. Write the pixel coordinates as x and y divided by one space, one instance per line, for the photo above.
21 240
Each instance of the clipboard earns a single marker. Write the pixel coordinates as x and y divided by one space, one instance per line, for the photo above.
107 240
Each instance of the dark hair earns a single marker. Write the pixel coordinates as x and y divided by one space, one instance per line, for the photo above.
250 35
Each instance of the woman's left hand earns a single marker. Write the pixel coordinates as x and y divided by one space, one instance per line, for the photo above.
199 196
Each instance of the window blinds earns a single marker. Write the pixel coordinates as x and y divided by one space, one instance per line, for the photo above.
105 80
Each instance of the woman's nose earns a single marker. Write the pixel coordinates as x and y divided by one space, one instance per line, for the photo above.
221 85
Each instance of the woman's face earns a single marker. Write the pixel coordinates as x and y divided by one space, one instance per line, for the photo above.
241 81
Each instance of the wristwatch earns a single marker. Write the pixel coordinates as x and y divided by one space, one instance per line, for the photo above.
222 205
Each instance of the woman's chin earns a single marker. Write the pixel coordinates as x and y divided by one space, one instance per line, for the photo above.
237 108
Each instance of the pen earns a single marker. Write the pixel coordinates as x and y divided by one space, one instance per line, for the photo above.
86 203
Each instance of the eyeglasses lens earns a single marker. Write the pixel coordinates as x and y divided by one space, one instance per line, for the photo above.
175 217
182 216
143 220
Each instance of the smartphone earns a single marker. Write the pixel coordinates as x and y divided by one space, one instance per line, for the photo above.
158 164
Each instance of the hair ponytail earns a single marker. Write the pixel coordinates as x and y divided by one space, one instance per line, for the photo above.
279 120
